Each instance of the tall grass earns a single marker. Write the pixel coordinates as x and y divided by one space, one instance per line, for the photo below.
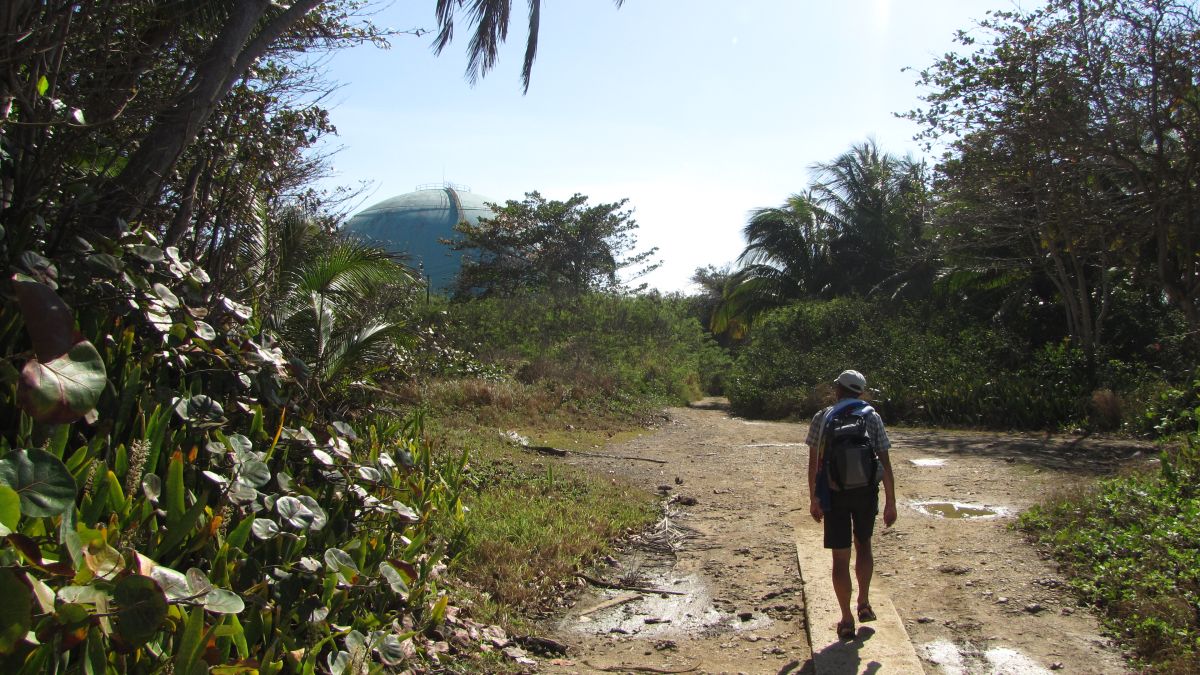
532 523
601 345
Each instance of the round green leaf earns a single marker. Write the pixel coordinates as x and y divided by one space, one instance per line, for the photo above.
152 487
199 408
105 263
42 482
391 650
10 508
243 448
393 578
242 493
338 662
173 583
337 560
15 611
169 299
243 312
221 601
255 473
141 608
343 429
198 582
159 318
205 332
405 512
319 518
65 388
295 513
264 528
150 254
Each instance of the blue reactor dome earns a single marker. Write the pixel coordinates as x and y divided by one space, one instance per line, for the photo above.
413 224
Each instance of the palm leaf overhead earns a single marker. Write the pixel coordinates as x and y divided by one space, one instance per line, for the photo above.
490 19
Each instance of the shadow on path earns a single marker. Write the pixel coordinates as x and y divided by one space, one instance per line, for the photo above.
1081 453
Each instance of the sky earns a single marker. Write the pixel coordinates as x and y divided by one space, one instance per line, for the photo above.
696 111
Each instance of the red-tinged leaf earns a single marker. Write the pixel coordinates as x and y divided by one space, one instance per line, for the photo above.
60 569
73 636
48 319
63 389
408 569
28 547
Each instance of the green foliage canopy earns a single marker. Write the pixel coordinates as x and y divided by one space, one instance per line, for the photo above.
857 229
1072 149
537 244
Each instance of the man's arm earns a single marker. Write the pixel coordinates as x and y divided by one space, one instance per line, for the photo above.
889 490
814 502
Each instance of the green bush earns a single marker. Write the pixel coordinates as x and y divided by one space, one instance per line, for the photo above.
927 366
1132 547
643 346
171 501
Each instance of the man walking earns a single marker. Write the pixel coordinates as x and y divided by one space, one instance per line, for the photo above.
847 458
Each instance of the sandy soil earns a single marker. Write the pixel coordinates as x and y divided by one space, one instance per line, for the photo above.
973 595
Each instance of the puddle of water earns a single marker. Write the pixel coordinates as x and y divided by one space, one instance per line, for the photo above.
660 615
959 510
927 461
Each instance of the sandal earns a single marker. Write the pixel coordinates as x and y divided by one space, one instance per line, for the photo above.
865 613
845 630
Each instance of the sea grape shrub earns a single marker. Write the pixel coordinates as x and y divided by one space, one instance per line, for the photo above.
170 498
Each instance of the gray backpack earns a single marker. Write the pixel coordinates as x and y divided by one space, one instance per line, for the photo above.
850 452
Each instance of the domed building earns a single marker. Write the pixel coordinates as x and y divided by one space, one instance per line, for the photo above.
414 223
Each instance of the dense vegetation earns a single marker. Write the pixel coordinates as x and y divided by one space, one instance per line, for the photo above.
212 454
1042 274
231 438
1131 545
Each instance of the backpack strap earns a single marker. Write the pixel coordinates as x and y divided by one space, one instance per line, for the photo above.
823 492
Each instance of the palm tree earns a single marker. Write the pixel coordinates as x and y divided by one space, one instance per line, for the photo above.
319 295
857 230
781 262
490 18
871 210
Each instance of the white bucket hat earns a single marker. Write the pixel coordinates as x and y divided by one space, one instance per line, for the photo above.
852 380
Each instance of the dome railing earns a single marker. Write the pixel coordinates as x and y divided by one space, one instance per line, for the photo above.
443 185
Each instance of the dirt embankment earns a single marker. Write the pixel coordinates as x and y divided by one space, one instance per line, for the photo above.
973 596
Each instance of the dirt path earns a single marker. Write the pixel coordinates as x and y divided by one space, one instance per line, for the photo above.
974 597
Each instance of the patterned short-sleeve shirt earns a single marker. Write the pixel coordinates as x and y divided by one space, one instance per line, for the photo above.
874 428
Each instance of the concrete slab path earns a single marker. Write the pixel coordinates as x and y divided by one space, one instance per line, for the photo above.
881 647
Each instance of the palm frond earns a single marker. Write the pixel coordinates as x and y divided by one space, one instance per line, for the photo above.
356 348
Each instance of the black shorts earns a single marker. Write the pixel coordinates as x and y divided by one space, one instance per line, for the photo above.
852 511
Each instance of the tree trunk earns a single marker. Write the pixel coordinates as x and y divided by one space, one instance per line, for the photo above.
228 59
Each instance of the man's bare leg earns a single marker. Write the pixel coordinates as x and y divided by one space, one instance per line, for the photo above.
841 582
864 568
